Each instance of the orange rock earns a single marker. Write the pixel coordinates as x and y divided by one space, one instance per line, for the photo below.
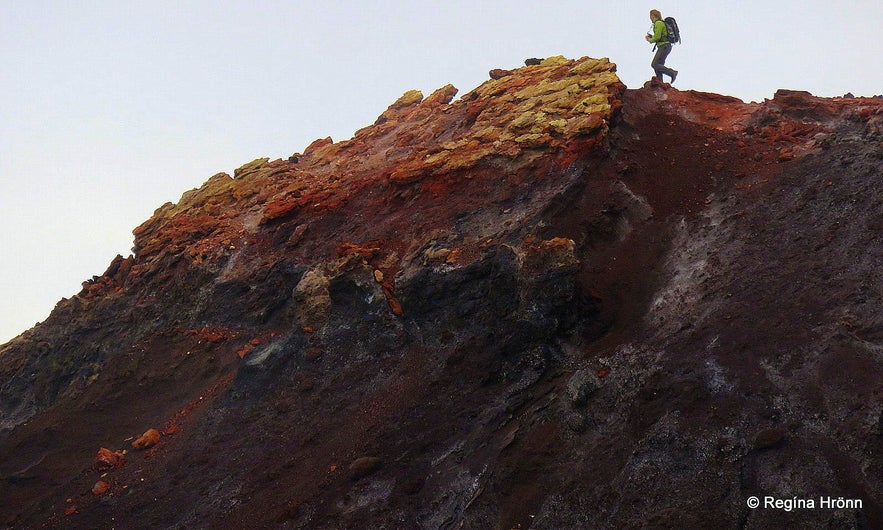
317 144
350 249
442 96
212 336
108 459
148 439
280 208
100 487
244 351
395 307
406 174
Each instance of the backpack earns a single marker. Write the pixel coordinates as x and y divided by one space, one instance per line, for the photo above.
674 34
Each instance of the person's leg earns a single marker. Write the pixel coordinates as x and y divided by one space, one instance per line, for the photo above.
658 63
655 64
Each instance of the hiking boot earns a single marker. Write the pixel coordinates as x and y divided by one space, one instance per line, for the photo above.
674 76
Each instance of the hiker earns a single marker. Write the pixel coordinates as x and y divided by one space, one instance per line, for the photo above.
663 47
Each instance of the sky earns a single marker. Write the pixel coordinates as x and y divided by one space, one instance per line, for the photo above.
109 109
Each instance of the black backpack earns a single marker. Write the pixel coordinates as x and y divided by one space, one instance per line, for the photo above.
674 34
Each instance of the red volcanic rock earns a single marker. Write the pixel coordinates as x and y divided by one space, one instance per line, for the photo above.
100 487
350 249
394 305
147 440
107 459
281 208
442 96
318 144
401 107
505 121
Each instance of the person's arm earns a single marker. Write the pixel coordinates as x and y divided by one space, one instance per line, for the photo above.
658 31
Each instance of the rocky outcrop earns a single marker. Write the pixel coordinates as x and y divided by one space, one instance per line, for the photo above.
550 303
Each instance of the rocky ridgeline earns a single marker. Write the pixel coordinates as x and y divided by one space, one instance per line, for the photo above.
551 303
548 113
532 112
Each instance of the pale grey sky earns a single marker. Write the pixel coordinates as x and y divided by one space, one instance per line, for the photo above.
108 109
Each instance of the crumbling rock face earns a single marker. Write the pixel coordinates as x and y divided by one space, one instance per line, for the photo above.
551 303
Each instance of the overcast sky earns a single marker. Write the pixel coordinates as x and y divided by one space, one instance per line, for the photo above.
109 109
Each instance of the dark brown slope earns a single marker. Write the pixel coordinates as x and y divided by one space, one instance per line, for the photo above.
550 304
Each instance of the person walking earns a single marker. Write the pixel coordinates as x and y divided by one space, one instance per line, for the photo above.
663 47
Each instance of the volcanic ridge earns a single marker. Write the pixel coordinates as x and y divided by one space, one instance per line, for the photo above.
554 302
